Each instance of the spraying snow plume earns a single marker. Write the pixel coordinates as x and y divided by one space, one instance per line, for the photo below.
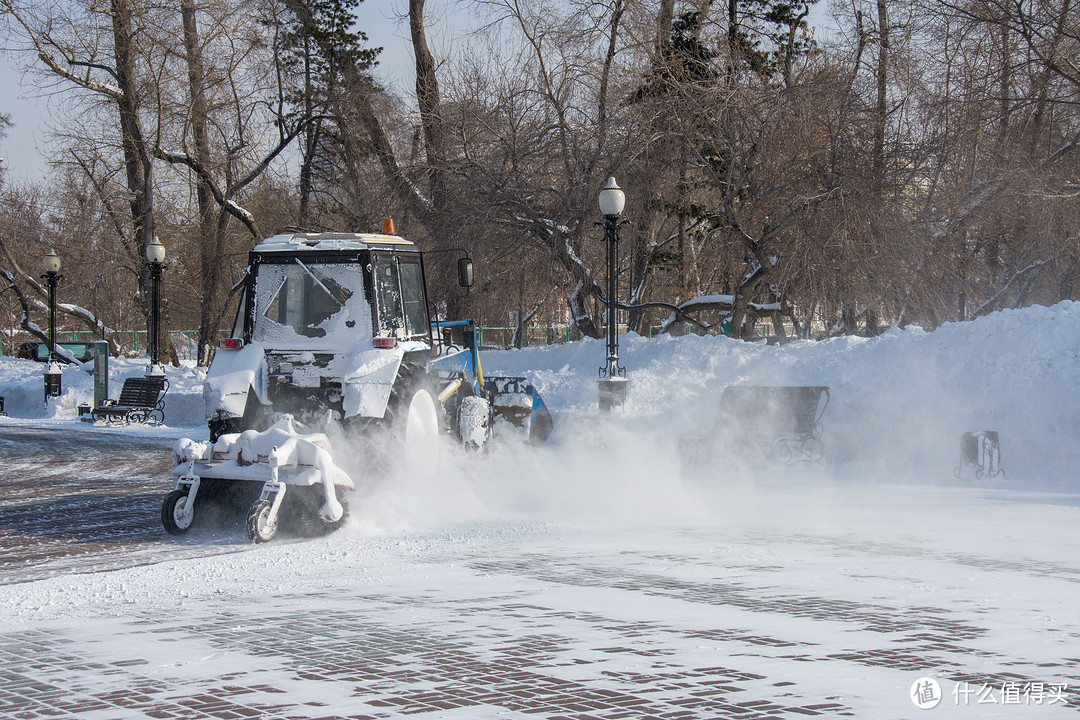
899 404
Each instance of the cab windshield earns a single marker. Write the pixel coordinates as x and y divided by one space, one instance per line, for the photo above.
310 305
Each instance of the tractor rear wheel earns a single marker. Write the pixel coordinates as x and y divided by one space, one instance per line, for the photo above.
414 417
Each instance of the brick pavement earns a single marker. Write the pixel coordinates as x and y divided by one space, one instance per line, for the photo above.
419 653
610 633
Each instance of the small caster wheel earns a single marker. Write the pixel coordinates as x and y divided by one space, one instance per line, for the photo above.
260 528
781 452
174 515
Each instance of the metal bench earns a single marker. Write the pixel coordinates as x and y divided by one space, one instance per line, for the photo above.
142 400
980 453
781 423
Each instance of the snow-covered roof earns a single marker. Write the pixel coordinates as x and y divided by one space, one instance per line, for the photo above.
292 242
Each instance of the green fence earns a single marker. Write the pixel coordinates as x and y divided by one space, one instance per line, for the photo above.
503 337
186 341
130 341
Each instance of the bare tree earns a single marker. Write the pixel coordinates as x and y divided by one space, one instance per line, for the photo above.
102 60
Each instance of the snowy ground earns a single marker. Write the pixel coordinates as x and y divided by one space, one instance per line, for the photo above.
593 577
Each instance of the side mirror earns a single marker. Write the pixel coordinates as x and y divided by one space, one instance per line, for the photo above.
465 272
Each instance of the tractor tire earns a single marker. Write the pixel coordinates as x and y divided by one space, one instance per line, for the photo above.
415 420
172 518
474 421
259 527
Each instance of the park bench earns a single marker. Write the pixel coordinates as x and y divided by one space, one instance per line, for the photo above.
781 423
980 453
142 399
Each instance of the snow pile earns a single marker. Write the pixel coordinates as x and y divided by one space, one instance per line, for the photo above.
899 405
22 386
899 402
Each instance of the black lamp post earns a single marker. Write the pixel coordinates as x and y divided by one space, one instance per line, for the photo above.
53 371
155 255
612 376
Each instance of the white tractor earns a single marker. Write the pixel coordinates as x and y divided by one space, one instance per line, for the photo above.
334 331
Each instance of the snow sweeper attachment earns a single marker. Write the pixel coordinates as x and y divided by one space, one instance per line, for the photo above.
334 333
274 461
512 402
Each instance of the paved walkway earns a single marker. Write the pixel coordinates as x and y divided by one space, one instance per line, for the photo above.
564 632
691 621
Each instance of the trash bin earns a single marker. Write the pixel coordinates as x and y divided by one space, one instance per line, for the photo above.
52 384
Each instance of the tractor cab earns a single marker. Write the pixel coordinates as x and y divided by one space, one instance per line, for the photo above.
314 306
324 292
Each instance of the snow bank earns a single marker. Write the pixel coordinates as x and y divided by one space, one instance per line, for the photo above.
899 405
899 402
22 386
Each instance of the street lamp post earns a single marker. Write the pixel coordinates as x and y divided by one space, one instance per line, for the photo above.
53 372
155 255
612 383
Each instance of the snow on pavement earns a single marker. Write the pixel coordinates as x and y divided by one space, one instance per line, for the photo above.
785 613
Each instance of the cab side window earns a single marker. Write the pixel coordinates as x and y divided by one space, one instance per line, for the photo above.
412 296
399 290
388 295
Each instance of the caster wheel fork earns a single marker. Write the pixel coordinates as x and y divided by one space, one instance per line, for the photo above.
262 520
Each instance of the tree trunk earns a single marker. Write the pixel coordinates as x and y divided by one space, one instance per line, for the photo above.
580 317
733 39
137 158
312 137
664 18
427 98
209 256
881 107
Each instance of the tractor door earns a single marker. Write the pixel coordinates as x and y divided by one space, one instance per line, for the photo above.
400 298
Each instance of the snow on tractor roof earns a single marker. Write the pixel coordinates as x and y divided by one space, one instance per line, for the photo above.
292 242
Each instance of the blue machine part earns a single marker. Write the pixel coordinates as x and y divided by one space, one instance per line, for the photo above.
516 400
512 398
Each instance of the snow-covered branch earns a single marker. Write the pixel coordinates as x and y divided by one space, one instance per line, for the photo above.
42 43
177 158
992 303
